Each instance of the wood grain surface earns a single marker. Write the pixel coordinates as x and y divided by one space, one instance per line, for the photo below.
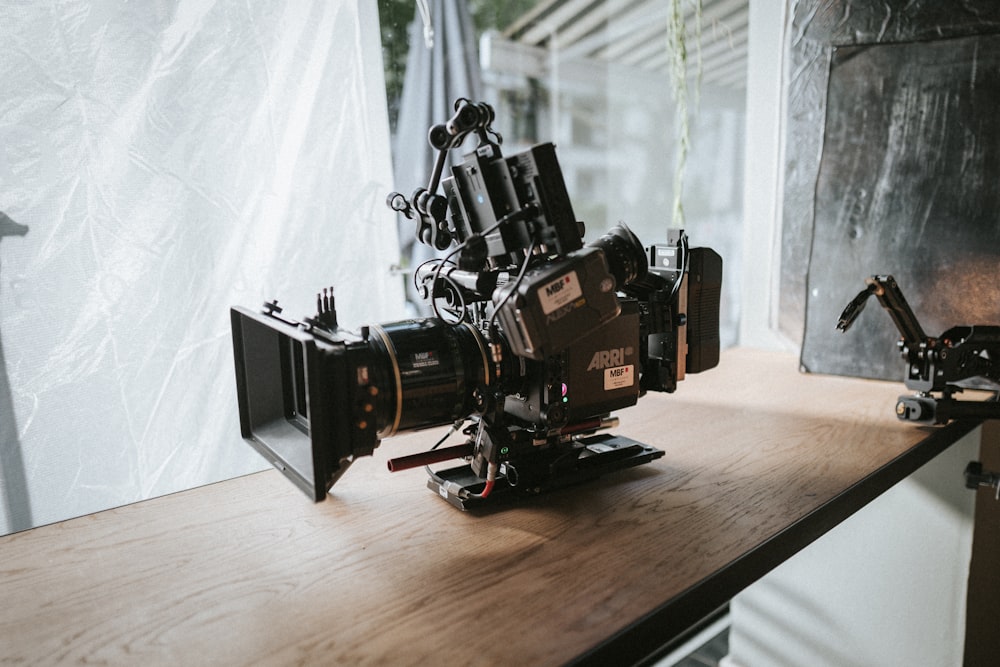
383 572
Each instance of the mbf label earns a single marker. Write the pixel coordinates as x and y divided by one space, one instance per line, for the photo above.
619 377
424 359
559 292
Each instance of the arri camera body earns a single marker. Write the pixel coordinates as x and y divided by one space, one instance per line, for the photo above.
536 338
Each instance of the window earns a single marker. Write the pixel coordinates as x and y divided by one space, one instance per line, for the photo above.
593 78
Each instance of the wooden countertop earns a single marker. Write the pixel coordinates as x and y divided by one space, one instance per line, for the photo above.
760 460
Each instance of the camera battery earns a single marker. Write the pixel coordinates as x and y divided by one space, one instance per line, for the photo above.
556 304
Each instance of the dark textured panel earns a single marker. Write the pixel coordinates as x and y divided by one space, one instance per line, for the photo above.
816 27
853 22
909 184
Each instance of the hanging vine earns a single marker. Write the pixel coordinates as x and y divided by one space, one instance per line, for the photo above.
677 47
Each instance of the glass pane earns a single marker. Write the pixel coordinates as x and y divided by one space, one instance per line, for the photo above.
594 79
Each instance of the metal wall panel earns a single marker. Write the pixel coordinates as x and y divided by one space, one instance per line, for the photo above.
818 34
908 185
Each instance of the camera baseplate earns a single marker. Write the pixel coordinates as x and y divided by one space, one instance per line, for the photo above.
588 458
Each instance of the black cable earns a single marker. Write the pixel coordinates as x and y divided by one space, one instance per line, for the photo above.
510 217
684 267
454 428
517 282
419 287
437 277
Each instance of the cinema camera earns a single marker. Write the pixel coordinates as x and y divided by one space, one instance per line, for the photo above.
536 338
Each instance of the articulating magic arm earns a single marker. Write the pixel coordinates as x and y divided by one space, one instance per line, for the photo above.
960 358
891 298
429 207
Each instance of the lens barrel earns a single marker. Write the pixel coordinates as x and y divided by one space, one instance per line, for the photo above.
427 371
624 253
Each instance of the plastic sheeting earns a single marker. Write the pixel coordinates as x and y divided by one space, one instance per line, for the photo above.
160 162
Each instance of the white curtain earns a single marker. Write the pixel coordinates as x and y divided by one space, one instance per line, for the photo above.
160 162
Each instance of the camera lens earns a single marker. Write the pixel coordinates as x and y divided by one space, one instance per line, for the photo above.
624 253
427 371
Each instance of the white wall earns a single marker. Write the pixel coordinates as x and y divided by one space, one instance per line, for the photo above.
762 178
886 587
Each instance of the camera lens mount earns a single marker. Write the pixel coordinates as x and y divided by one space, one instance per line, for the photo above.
624 253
